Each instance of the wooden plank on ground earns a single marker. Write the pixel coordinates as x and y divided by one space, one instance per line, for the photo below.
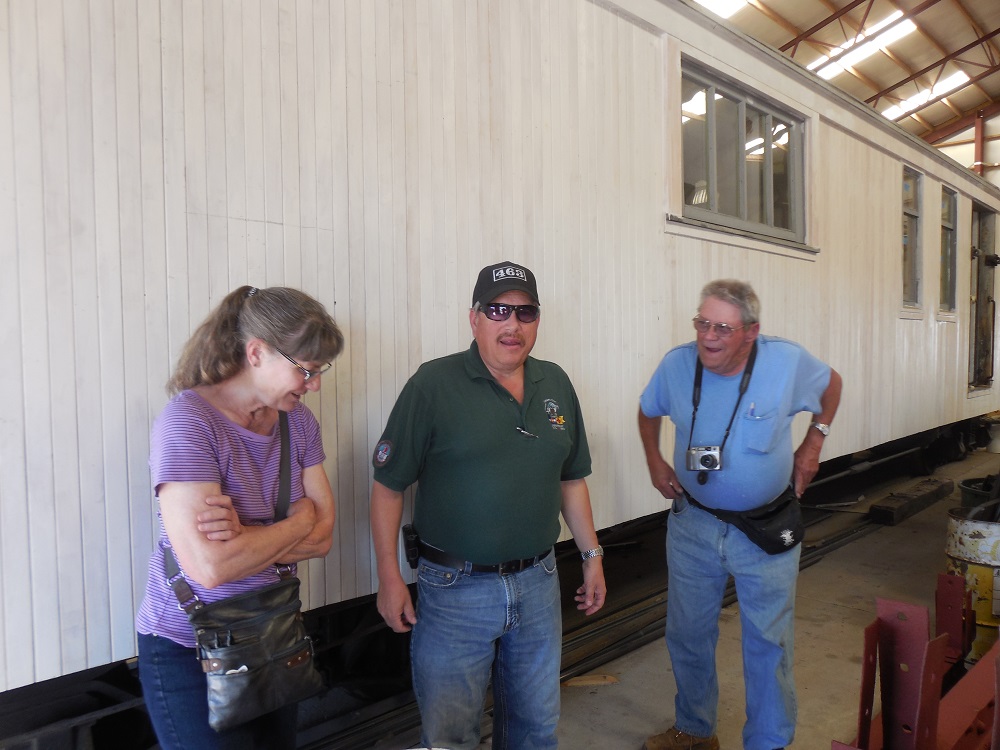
898 506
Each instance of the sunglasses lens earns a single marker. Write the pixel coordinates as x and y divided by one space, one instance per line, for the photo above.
497 312
527 313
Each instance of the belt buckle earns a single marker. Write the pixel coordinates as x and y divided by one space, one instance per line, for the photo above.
511 566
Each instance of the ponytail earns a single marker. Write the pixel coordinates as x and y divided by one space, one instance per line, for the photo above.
281 317
215 351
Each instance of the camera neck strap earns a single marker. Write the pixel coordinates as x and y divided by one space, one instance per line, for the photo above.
699 370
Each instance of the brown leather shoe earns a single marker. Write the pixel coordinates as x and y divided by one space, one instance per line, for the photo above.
675 739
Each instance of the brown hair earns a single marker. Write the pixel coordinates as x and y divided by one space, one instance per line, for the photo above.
281 317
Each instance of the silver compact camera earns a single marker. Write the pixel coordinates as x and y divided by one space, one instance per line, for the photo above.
704 458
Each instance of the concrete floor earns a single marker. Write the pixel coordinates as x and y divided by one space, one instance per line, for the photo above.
835 601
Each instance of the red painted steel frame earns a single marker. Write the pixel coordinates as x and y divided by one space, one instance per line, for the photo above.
915 716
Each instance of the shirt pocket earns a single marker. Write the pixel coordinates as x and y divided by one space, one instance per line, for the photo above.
760 430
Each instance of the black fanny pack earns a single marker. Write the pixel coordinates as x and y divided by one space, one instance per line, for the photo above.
776 527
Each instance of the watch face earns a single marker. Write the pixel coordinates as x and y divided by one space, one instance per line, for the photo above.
824 428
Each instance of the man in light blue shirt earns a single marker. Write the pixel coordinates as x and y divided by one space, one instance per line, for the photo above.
732 395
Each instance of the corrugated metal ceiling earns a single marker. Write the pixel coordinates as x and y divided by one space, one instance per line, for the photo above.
954 42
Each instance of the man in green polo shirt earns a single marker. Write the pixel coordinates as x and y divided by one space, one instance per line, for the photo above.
495 441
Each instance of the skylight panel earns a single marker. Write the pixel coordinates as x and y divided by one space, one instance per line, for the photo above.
941 88
855 50
861 36
695 106
723 8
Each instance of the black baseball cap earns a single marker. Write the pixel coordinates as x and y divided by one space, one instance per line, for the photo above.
504 277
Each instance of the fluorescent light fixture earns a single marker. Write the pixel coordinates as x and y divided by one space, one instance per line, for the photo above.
841 59
941 88
724 8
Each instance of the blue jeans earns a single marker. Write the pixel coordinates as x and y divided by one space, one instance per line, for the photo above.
469 624
702 552
176 694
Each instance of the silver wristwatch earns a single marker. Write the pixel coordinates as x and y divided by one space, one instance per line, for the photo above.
598 551
823 428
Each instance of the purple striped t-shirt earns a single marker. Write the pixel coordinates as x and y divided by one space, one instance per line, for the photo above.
193 442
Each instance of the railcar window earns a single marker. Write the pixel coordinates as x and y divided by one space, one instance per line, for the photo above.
982 316
742 158
948 251
911 238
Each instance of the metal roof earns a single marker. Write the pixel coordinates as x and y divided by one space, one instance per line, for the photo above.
940 43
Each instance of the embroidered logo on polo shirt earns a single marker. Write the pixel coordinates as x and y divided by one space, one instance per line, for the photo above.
382 452
557 421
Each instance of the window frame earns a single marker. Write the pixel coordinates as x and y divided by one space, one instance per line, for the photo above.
715 84
948 289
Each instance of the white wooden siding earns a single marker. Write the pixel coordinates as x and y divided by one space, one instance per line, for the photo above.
154 155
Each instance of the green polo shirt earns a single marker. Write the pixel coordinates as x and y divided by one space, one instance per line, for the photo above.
488 468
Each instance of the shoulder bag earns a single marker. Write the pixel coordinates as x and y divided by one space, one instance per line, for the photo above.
253 647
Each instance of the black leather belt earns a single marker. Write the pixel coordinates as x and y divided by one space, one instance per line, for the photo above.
440 557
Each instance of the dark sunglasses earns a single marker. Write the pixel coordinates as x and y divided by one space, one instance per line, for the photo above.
500 311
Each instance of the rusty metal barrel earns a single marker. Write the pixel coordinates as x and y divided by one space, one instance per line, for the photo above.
973 550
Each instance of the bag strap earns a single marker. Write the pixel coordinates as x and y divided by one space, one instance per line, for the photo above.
285 472
186 597
731 516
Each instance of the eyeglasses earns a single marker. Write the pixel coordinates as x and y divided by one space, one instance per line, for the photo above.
501 311
722 330
307 375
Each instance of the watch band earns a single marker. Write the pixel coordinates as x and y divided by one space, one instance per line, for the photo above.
598 551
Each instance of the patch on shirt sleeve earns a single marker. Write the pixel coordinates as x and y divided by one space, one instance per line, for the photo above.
383 451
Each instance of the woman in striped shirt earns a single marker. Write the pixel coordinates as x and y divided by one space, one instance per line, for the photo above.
214 459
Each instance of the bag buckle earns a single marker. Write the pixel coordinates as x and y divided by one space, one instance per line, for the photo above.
187 600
